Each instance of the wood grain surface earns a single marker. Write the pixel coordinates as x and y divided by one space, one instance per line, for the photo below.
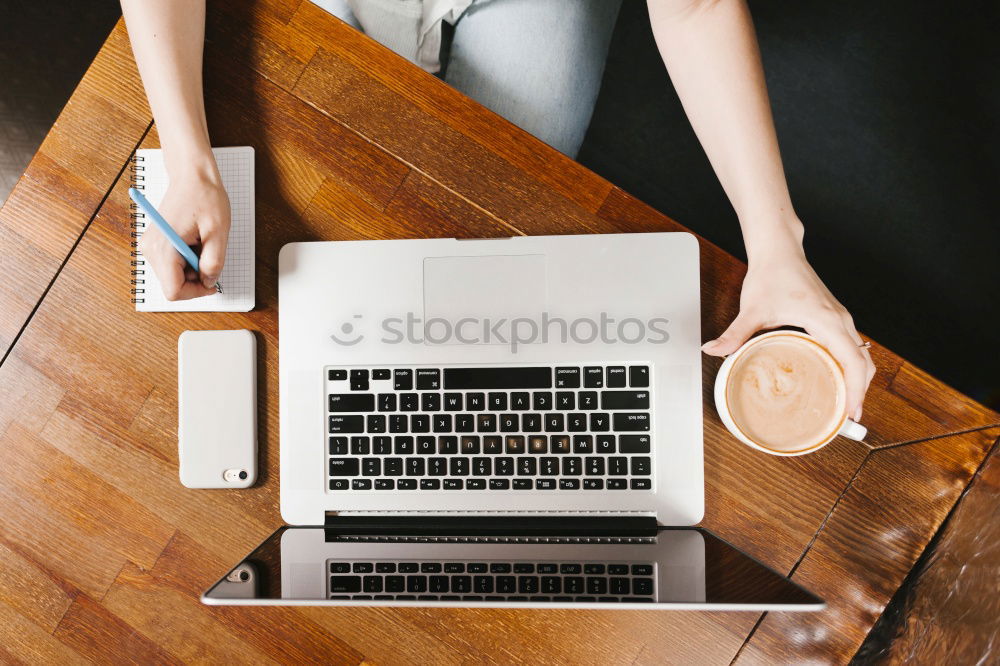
103 553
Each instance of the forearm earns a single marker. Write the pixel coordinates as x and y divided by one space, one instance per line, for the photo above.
167 40
711 53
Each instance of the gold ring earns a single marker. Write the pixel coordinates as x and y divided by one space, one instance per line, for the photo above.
865 345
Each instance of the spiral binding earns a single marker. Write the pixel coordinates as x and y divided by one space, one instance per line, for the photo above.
138 226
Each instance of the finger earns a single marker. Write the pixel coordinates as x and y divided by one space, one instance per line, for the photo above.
738 332
172 271
869 364
213 256
851 358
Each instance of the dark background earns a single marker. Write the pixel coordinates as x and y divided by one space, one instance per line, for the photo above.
886 112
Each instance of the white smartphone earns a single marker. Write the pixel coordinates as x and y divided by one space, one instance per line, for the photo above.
217 409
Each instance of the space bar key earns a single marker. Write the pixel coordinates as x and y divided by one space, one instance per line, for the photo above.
498 378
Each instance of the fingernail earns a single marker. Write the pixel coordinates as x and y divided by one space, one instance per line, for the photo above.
209 282
708 345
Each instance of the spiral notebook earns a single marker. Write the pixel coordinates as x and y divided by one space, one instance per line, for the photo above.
237 279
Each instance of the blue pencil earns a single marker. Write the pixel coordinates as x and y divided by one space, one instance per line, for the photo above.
151 213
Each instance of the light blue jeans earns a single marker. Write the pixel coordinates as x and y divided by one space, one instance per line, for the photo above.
537 63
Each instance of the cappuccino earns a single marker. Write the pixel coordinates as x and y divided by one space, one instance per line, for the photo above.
785 393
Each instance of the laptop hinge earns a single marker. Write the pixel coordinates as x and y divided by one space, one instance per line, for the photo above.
526 526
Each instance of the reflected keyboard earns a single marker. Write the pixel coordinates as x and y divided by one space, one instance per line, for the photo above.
492 581
505 428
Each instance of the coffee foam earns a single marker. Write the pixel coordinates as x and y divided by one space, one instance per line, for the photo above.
784 394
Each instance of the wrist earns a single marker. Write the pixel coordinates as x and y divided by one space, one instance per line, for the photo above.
771 238
194 163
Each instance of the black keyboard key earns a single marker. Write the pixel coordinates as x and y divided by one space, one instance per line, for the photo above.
406 484
594 570
477 567
503 466
430 402
638 376
597 585
576 422
593 484
452 484
565 400
339 484
416 584
538 444
415 467
361 446
569 484
548 466
545 484
583 444
428 379
515 444
348 584
371 467
338 446
439 584
641 466
465 423
587 400
633 443
454 567
459 466
426 445
497 378
631 421
420 423
461 584
441 423
641 484
482 467
497 401
453 402
430 567
363 567
599 422
351 402
567 377
619 586
531 422
483 584
617 484
499 484
527 584
642 569
359 380
492 444
521 484
344 466
548 568
526 466
475 484
551 584
593 377
617 569
524 568
486 422
541 401
341 423
437 466
398 423
595 466
376 423
470 444
616 377
617 466
506 584
624 399
403 380
409 567
448 445
554 422
430 484
381 373
642 586
340 567
385 484
520 400
475 402
336 375
559 444
509 423
573 584
386 402
395 583
404 445
604 444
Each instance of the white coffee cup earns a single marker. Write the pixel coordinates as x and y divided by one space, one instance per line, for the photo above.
845 427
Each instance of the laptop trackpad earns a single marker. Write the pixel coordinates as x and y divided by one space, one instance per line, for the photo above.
465 298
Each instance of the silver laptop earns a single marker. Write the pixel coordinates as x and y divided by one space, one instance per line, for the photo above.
495 422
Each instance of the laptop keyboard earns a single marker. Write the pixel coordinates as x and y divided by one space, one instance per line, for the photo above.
551 428
492 581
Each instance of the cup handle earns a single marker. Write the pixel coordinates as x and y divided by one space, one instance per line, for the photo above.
853 430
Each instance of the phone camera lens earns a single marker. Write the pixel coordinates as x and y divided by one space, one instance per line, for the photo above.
243 475
244 576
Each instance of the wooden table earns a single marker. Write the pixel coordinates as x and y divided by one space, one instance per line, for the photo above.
103 553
